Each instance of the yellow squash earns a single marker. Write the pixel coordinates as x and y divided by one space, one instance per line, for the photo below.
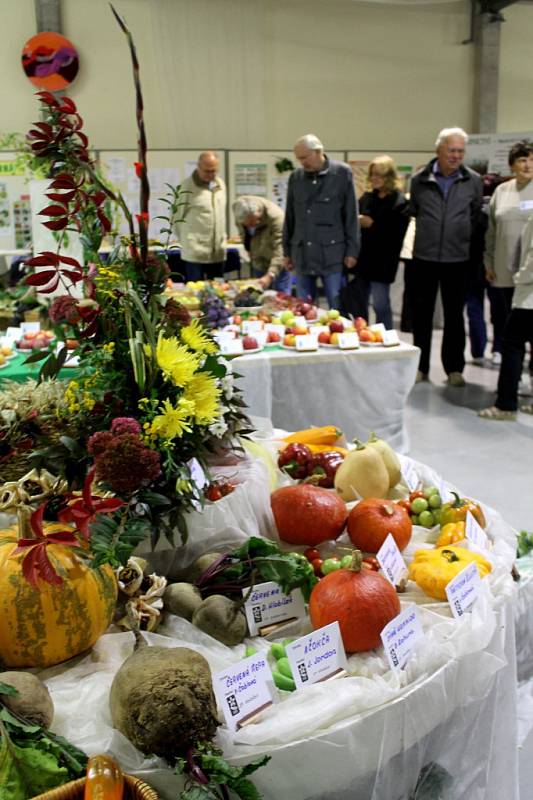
451 533
327 434
44 626
432 570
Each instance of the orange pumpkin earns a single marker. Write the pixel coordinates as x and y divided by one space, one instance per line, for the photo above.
360 600
306 514
44 626
371 521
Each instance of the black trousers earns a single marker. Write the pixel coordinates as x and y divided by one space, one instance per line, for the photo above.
452 278
518 330
501 299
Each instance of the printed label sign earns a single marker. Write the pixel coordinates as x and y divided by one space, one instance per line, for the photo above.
231 347
400 636
462 592
391 561
300 322
391 338
475 533
251 326
378 327
267 605
30 327
348 341
270 327
244 689
224 336
317 656
306 342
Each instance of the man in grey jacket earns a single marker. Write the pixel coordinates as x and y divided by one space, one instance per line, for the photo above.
446 200
321 234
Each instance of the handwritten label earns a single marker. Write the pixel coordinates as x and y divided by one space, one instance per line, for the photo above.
445 493
251 326
391 561
300 322
231 347
224 336
244 689
317 656
30 327
270 327
267 604
401 635
306 342
348 341
378 327
475 533
463 590
390 338
410 475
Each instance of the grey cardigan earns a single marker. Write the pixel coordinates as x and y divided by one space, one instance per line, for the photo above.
321 220
444 226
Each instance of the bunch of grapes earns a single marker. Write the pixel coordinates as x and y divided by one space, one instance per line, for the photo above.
247 298
215 313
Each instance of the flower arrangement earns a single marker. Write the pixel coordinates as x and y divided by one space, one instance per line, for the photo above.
153 398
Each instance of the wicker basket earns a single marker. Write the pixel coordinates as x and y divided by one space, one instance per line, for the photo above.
134 789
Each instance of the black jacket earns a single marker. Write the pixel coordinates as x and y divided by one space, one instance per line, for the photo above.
382 242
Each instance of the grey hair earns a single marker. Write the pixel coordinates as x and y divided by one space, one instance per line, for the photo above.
310 141
246 205
208 154
446 133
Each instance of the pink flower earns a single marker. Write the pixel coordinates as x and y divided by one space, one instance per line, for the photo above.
122 425
99 442
64 309
127 464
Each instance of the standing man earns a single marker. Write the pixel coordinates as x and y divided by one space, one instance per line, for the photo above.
260 224
446 200
321 233
202 233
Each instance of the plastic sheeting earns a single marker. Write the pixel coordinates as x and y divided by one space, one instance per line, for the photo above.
450 715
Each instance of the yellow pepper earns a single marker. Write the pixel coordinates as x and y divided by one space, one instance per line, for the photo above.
451 533
457 510
432 570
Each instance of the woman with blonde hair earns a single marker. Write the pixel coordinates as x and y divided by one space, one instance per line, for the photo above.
384 219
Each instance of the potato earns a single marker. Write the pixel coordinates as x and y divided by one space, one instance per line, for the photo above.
199 566
222 619
33 701
182 599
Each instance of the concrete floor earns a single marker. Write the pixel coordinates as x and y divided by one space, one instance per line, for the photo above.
490 461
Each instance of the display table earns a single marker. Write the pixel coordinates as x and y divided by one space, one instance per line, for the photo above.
16 370
368 736
359 390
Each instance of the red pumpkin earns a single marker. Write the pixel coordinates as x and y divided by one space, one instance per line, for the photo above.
307 514
371 521
360 600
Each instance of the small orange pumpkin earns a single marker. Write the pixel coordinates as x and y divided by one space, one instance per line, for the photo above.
44 626
371 520
306 514
360 600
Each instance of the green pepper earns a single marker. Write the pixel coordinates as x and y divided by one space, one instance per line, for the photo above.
278 651
282 682
284 667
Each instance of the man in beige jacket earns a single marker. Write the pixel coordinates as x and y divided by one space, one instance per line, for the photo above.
202 233
260 225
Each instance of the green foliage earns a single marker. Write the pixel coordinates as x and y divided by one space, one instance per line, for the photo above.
114 537
525 544
220 775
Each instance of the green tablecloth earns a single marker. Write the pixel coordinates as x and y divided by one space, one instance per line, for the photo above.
16 370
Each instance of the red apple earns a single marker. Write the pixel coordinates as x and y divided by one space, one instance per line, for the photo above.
249 343
336 326
304 309
311 314
273 337
360 323
366 335
324 337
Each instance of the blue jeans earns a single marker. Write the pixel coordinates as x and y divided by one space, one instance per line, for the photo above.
194 271
332 281
380 293
283 283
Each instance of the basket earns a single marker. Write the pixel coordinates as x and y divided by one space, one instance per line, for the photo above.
134 789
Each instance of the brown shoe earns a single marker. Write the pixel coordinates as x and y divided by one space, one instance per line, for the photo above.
456 379
421 377
498 414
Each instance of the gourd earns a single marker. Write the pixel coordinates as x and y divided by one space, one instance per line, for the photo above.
306 514
390 459
432 570
360 600
362 474
371 520
451 533
327 434
44 626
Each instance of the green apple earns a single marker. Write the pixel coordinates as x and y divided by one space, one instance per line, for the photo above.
287 317
333 313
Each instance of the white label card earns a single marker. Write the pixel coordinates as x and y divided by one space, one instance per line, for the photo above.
378 327
13 334
391 561
251 326
390 338
445 494
348 341
475 533
267 605
401 635
306 342
230 347
463 590
270 327
30 327
224 336
410 475
526 205
244 689
300 322
317 656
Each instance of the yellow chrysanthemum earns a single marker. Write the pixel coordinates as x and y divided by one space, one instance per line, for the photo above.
205 394
175 360
174 421
195 337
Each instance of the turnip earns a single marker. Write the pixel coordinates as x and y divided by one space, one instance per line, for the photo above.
33 701
222 619
182 599
199 566
162 700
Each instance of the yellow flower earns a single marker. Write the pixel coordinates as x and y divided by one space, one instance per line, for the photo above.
195 337
205 394
175 360
173 422
109 347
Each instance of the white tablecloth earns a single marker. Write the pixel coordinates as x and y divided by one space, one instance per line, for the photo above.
359 390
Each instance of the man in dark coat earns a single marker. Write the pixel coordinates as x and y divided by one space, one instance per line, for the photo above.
446 200
321 232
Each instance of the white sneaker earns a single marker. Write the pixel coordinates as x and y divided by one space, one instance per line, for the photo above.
496 359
